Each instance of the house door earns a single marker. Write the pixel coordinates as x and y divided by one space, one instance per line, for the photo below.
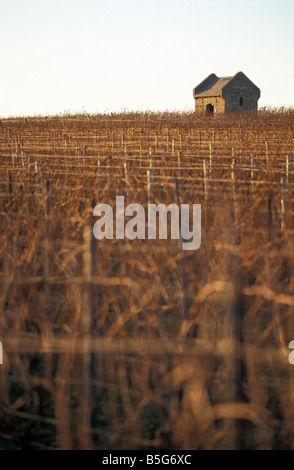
209 109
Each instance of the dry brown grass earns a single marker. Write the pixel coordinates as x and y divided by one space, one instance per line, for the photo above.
138 344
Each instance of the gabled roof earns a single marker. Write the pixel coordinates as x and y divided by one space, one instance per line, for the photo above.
218 86
216 89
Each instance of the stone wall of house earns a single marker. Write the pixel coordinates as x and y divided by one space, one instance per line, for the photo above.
239 88
233 103
217 102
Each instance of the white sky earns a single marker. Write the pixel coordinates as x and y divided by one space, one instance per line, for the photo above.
107 55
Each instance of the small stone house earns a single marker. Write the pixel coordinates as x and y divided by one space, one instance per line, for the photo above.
226 94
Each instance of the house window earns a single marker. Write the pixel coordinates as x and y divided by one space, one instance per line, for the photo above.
209 109
241 102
